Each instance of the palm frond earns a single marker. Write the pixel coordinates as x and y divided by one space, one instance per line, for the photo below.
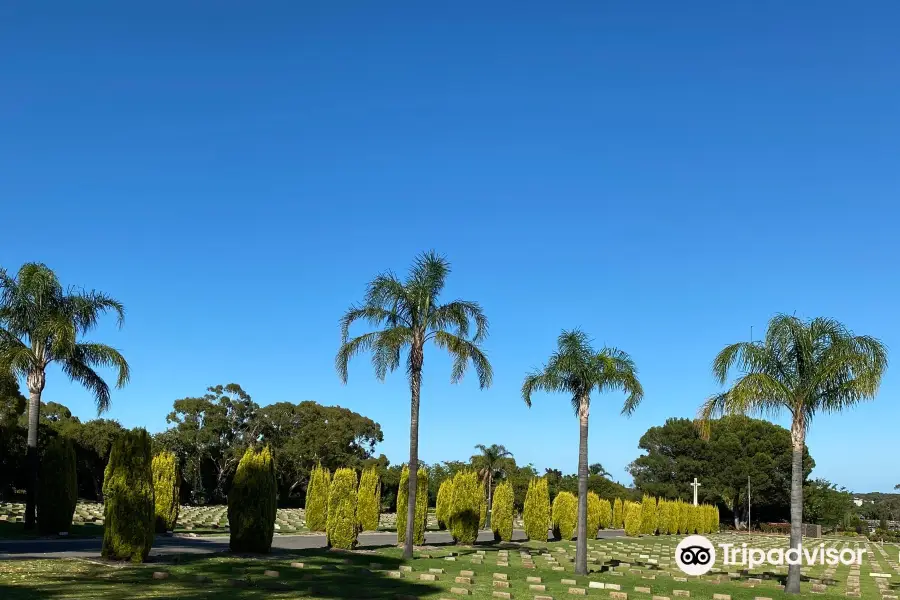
372 314
351 348
101 355
86 376
87 307
386 350
464 351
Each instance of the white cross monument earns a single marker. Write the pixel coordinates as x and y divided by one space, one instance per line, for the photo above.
695 485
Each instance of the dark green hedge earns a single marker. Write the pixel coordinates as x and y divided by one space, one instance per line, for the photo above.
129 511
57 487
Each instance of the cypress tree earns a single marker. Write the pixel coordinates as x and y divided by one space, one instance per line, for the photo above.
632 519
129 513
664 513
684 518
465 507
252 502
421 514
368 502
502 512
564 515
166 490
594 507
482 512
57 487
605 514
342 528
618 518
537 510
442 503
649 518
317 499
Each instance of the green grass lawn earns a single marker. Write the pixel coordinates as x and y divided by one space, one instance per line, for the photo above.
376 573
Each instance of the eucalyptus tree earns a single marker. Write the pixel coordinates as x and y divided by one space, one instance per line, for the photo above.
802 368
577 369
407 314
491 463
41 324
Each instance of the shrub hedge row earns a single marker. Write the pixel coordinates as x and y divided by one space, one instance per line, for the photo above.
667 517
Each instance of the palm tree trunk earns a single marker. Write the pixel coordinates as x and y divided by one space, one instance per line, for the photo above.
798 438
35 382
581 544
415 387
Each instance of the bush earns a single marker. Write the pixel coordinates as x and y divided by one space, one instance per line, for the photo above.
632 519
421 515
368 501
57 487
664 516
684 518
317 499
342 528
605 514
502 512
536 512
166 490
465 507
649 517
618 518
252 502
593 514
129 513
564 515
442 504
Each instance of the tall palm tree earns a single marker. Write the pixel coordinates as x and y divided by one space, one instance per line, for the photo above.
40 324
577 369
409 315
490 463
597 469
803 368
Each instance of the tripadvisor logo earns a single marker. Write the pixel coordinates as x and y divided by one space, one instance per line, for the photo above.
695 555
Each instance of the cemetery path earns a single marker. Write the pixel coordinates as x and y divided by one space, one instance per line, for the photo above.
90 547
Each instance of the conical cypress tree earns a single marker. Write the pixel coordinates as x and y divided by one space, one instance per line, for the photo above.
252 503
593 515
368 502
618 518
502 512
128 507
421 514
605 514
564 515
465 507
166 490
317 499
58 487
342 503
632 519
537 510
649 518
442 504
664 514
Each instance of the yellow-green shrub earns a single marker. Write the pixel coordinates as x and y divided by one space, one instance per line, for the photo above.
684 518
502 512
166 490
564 515
649 517
317 499
128 509
594 505
664 513
536 512
342 528
482 513
442 503
632 519
57 487
252 502
605 514
618 514
421 514
368 500
465 507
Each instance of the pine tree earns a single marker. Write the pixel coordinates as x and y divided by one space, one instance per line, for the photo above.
253 502
57 487
465 507
564 515
618 514
128 508
502 512
368 502
442 503
537 510
317 499
342 527
166 490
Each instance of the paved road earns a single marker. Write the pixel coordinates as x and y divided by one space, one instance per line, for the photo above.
90 547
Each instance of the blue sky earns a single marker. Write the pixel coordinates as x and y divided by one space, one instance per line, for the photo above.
663 175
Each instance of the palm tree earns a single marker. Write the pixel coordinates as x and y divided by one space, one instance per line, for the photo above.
409 315
40 324
577 369
490 463
803 368
597 469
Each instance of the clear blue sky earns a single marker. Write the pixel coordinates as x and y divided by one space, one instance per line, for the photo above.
664 175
